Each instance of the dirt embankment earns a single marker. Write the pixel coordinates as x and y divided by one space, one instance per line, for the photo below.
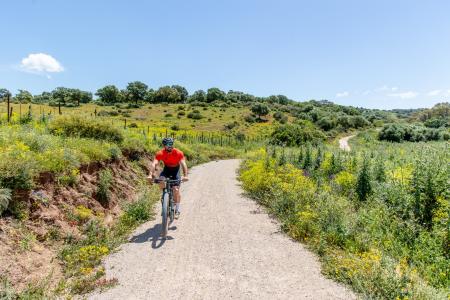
52 212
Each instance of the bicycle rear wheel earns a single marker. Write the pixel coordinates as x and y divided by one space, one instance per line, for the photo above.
165 214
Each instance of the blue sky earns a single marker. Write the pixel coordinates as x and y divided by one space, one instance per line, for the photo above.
378 54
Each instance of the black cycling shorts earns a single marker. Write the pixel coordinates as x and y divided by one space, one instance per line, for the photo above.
172 173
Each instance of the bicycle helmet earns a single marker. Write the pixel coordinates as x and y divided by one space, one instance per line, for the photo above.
167 142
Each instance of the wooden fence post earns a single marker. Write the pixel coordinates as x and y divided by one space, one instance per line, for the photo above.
8 108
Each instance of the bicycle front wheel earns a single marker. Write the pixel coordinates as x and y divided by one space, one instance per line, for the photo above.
165 214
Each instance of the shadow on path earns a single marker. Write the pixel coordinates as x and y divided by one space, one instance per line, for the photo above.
153 235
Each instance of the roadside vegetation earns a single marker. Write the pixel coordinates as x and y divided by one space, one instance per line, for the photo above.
378 216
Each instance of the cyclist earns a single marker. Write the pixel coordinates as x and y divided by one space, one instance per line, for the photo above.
172 158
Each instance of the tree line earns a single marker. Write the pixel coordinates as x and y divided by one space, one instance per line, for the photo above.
137 92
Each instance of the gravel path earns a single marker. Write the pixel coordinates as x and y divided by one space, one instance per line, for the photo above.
224 246
343 143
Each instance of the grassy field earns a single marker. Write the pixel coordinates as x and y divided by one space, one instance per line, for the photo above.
157 117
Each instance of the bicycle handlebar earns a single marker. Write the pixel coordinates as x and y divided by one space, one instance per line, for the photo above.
157 180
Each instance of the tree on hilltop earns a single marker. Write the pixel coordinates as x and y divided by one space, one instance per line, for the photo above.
109 94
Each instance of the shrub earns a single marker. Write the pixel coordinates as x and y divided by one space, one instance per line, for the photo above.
250 119
168 115
83 213
133 105
86 257
175 127
294 135
105 113
392 133
17 172
181 113
139 211
104 183
436 123
5 198
69 177
345 181
195 115
280 117
412 133
326 123
231 125
79 127
363 184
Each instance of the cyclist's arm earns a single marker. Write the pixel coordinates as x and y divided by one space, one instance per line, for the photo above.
154 166
184 166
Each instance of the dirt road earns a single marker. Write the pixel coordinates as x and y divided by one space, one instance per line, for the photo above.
343 143
224 246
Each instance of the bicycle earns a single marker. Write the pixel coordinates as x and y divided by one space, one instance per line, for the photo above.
167 203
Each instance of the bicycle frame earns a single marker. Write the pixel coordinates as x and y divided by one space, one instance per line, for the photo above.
168 209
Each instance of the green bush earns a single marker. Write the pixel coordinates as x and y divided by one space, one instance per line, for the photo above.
280 117
86 128
411 133
363 182
105 113
250 119
104 184
231 125
139 211
294 135
17 172
5 198
195 115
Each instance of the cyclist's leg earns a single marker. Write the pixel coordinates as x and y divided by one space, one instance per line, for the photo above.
176 194
163 175
177 199
175 175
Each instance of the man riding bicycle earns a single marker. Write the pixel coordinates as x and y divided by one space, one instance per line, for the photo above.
172 158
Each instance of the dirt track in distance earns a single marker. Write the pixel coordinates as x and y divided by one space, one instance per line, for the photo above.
343 143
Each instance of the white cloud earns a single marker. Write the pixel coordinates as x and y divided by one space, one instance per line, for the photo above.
434 92
343 94
386 88
404 95
40 63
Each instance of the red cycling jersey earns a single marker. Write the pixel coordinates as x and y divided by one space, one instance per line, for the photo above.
170 159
